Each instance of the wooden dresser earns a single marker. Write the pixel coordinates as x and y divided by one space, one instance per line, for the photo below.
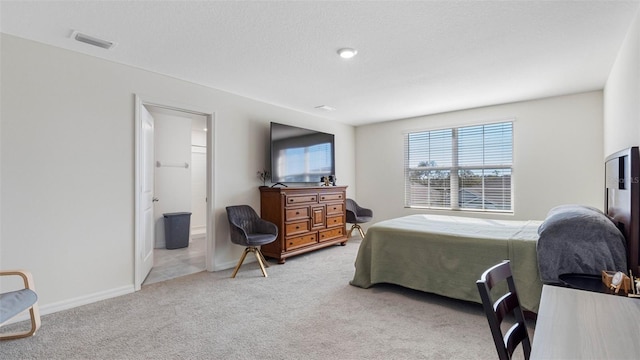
308 218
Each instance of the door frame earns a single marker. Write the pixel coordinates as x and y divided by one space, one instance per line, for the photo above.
142 100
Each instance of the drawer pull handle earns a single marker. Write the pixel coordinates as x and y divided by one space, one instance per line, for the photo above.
297 212
297 227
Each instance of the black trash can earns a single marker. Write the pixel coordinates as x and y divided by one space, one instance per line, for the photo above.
176 229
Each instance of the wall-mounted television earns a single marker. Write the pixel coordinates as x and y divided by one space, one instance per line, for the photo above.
300 155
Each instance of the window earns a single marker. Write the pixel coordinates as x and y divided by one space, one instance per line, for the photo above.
466 168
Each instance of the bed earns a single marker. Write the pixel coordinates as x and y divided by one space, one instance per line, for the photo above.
622 199
445 255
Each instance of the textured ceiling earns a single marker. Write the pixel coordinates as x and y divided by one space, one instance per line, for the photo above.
414 58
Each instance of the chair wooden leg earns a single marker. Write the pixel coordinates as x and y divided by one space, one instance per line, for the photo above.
34 314
264 261
351 230
244 254
258 255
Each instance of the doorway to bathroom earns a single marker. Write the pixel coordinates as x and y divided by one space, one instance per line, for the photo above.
173 188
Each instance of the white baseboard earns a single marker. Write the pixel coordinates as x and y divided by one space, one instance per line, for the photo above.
75 302
198 232
197 236
231 264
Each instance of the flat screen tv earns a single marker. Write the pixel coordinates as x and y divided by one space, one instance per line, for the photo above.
300 155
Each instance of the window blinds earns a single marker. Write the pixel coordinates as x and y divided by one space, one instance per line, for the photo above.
460 168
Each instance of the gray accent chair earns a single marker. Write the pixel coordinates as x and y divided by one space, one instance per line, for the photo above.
13 303
249 230
357 215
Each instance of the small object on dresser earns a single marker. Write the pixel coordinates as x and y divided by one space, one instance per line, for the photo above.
635 284
326 180
616 280
264 175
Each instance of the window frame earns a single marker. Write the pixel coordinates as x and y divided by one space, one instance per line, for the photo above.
455 168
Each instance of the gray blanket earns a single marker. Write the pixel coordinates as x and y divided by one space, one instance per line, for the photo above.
580 240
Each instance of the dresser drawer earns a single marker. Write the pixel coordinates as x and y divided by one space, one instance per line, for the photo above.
334 221
331 197
300 241
296 213
302 198
330 234
335 209
299 227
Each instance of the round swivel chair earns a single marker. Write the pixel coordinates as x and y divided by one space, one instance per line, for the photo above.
249 230
357 215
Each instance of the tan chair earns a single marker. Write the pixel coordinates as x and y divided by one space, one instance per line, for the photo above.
13 303
498 310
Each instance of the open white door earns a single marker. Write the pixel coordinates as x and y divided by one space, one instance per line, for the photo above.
144 184
144 252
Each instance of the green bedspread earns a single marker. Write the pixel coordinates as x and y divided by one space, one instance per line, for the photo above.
445 255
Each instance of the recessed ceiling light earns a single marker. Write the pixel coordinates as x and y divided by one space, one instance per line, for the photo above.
325 108
91 40
347 53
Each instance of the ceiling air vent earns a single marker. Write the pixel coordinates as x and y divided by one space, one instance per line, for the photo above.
92 40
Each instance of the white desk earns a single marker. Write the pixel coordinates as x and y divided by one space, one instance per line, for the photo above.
577 324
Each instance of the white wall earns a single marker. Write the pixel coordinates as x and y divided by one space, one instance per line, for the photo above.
172 184
67 166
622 95
557 155
198 182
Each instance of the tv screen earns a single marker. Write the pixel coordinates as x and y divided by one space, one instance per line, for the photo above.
300 155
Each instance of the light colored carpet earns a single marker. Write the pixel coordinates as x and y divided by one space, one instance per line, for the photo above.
305 309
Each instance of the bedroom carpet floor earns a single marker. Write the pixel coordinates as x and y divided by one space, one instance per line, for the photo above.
305 309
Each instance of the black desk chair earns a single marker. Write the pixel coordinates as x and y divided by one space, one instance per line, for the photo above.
357 215
248 229
496 311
